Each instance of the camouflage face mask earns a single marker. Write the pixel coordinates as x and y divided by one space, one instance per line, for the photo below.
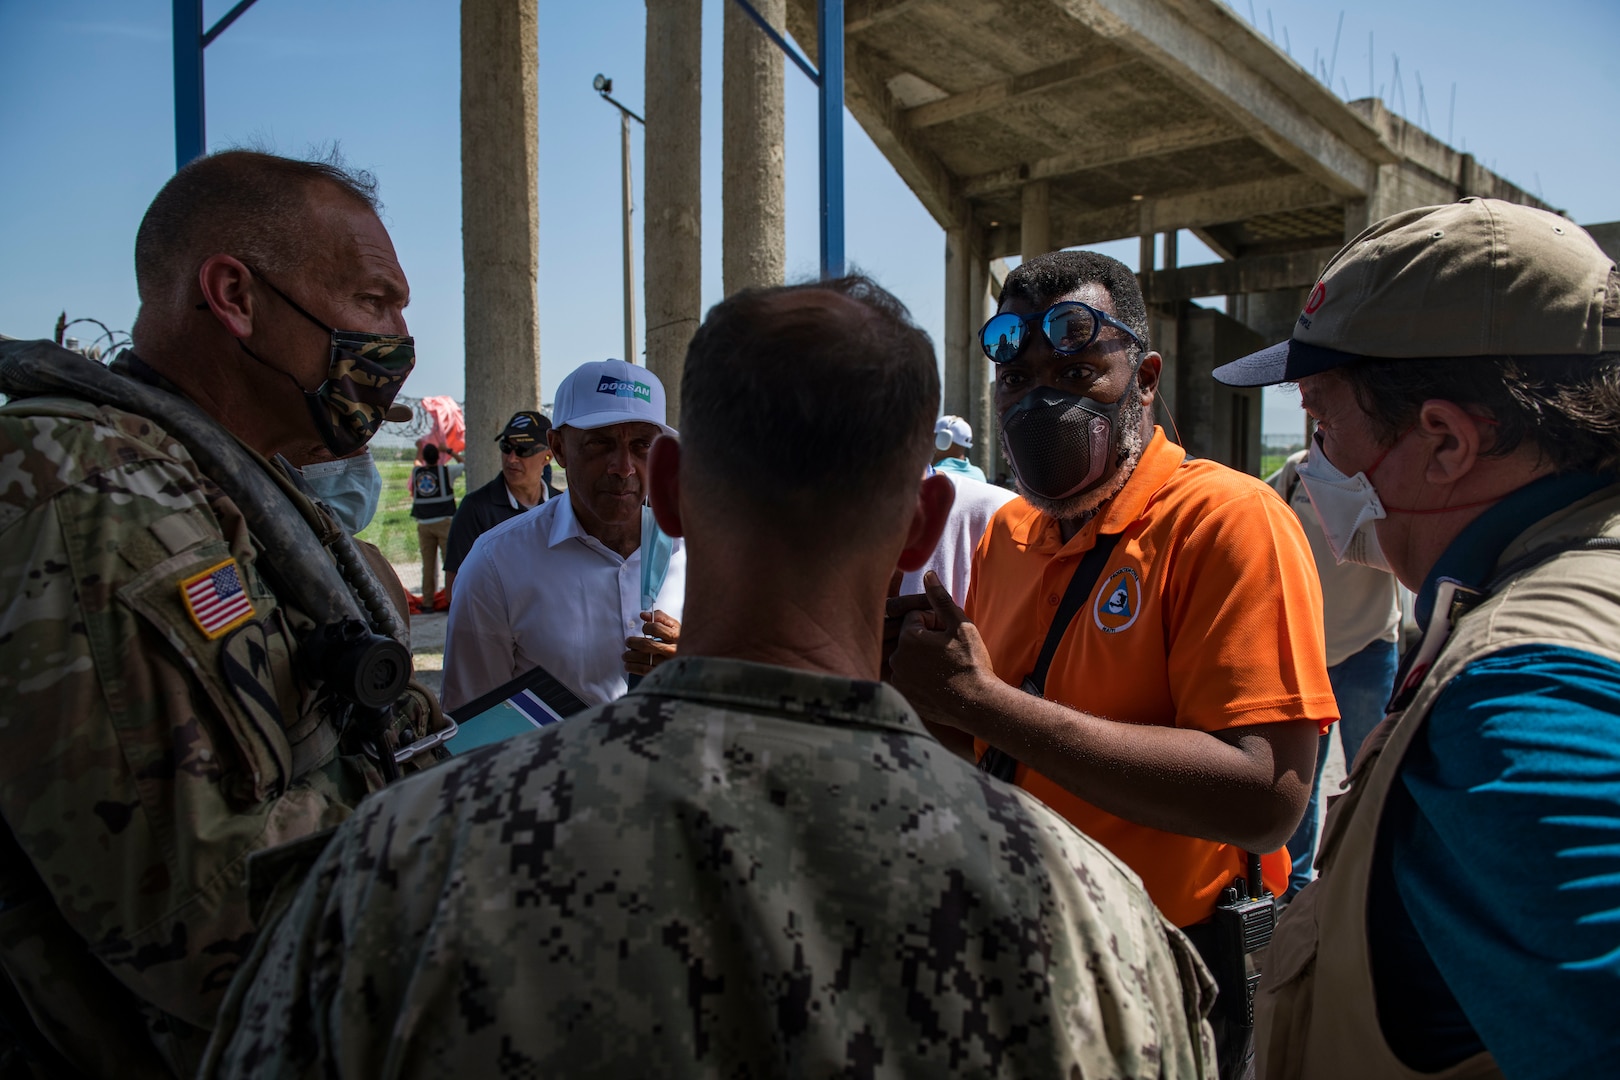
363 376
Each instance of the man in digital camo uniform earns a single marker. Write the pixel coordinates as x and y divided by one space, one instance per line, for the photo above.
758 863
159 715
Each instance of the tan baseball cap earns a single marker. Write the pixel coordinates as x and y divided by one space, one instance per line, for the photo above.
1480 277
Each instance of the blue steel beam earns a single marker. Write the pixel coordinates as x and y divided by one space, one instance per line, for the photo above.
230 17
830 35
190 119
188 82
781 42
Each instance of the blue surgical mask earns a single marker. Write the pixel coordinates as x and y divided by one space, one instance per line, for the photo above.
657 547
350 487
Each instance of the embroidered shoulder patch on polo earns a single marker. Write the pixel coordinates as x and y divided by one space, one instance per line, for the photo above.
217 599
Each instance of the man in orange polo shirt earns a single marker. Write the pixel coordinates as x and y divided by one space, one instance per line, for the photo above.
1182 705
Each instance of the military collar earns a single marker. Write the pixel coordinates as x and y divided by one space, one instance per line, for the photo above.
767 688
131 366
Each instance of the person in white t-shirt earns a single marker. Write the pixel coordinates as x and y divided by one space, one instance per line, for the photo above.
1362 615
561 587
976 503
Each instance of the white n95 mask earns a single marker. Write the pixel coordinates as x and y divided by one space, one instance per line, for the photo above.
1347 506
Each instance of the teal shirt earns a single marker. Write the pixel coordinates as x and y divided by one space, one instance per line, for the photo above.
961 467
1495 896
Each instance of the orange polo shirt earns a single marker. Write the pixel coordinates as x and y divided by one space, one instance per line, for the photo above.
1208 615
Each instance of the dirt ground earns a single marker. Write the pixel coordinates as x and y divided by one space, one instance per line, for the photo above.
427 631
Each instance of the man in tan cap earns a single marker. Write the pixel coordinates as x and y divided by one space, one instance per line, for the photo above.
1463 366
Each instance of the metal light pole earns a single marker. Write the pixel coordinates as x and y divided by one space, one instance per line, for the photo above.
604 86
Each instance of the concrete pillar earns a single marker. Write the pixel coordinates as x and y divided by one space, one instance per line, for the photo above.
752 199
1195 383
674 216
1036 226
1170 252
1144 253
500 215
959 326
981 414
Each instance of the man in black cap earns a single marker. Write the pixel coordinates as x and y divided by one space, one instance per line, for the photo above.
522 485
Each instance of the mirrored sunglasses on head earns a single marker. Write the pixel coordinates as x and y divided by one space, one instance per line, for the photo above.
1069 327
527 451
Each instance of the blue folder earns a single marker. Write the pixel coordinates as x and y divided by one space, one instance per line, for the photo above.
530 701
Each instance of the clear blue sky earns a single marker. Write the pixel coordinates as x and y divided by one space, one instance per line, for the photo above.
86 137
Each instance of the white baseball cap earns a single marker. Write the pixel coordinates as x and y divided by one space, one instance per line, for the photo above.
955 427
607 392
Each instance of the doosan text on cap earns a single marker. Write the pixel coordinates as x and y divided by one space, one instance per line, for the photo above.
609 392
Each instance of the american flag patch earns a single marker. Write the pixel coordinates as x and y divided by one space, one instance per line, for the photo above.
217 599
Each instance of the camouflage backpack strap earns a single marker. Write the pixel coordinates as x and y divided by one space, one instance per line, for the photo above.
366 668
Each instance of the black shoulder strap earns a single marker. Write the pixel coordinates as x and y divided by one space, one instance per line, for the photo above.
999 763
1085 576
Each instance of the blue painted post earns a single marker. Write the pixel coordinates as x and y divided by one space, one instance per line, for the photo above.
189 138
830 35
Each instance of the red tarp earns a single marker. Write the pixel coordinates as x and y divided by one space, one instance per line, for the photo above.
447 428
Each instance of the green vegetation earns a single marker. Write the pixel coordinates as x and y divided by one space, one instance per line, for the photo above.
1270 463
393 529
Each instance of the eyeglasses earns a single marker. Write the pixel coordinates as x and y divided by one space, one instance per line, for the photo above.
521 451
1070 327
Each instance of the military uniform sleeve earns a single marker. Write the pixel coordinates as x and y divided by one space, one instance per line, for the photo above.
478 643
150 720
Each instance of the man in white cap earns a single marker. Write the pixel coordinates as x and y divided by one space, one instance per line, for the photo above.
561 586
953 438
1463 366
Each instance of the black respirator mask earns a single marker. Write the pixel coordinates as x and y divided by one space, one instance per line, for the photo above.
1060 444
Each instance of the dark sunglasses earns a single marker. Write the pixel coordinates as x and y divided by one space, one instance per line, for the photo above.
1069 326
521 451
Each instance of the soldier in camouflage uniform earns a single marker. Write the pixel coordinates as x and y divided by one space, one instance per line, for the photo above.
156 722
759 863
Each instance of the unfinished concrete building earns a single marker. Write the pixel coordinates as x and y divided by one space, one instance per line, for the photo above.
1022 126
1029 125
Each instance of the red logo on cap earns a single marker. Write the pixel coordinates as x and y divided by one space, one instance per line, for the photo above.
1318 295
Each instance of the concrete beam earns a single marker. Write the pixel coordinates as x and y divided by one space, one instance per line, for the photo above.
1607 236
1225 65
1096 155
1186 210
883 119
674 217
1035 221
500 217
753 244
993 95
862 15
881 116
1257 274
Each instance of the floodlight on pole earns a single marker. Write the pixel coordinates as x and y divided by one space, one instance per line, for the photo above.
604 86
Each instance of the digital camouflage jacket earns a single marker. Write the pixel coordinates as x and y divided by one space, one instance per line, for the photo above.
154 730
735 871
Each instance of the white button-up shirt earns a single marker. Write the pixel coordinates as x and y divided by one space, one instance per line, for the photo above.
538 591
